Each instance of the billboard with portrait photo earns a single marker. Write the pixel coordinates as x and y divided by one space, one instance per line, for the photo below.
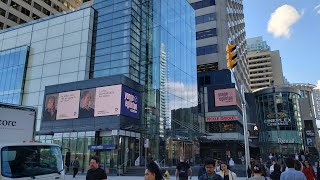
107 101
50 107
68 105
87 103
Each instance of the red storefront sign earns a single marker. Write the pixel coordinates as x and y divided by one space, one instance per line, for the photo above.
221 118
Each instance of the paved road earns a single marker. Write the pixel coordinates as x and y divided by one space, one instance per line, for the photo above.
81 177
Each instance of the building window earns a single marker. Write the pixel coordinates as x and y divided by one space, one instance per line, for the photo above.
46 12
1 25
2 12
37 6
207 50
13 18
205 18
25 11
34 16
5 1
22 21
15 5
206 33
47 2
27 1
203 4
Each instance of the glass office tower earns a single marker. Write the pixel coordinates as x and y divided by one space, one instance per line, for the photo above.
153 43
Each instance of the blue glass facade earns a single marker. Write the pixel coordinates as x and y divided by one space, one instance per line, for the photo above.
117 37
13 64
153 42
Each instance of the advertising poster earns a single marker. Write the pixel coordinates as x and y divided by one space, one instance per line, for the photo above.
225 97
87 103
68 105
50 107
107 100
130 102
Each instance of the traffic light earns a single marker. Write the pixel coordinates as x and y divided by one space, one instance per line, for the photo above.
231 63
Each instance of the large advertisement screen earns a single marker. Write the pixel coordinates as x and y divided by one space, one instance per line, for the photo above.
108 100
225 97
68 103
95 102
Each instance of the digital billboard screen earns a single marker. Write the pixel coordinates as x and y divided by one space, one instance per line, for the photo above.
225 97
94 102
108 100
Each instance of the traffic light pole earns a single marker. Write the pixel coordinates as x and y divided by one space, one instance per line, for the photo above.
245 128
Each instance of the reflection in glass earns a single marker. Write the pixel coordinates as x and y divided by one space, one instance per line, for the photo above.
12 70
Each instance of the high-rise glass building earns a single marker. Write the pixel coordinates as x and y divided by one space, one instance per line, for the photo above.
150 42
154 44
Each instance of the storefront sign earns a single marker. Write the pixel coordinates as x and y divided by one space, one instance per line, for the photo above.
225 97
221 118
102 147
310 133
281 120
286 141
275 122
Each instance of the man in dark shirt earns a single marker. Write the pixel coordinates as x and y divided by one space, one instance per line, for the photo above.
210 165
95 173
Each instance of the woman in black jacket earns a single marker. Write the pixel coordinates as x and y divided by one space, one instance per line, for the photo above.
275 175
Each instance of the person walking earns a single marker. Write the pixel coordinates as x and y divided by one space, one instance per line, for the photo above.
276 173
152 172
308 171
76 166
257 172
291 173
231 162
226 173
95 173
183 170
210 174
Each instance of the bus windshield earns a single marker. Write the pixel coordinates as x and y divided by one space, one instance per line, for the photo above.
30 161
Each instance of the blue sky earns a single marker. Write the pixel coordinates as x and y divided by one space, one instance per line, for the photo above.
299 51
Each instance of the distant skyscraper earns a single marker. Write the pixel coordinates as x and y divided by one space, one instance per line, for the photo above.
14 12
264 65
219 23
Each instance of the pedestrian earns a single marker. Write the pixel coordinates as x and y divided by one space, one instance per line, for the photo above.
298 165
210 174
257 172
231 162
308 171
183 170
272 166
152 172
270 156
291 173
242 160
275 175
318 170
201 171
95 172
226 173
76 166
296 156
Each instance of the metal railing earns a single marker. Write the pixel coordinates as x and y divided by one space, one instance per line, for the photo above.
162 163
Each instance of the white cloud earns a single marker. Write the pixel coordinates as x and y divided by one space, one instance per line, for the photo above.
282 19
317 8
318 85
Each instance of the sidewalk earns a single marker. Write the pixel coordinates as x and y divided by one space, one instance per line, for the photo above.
82 177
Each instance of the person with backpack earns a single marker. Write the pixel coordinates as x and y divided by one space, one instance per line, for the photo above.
210 174
183 170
